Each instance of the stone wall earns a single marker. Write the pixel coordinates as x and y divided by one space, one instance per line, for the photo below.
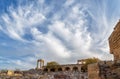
114 42
93 71
108 69
67 67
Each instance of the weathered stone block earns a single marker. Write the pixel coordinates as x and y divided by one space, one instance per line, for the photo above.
114 42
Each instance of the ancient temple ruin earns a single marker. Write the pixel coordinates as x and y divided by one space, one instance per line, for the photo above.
62 71
62 67
40 63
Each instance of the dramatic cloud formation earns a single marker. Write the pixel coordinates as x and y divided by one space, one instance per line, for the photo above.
63 31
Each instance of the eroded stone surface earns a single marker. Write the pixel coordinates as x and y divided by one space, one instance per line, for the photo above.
114 42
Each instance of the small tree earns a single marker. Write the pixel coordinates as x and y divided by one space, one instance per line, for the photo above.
89 61
52 64
3 70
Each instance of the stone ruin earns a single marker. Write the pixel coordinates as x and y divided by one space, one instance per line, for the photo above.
114 42
62 71
40 64
108 69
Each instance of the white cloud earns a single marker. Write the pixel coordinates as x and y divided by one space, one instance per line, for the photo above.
17 63
41 1
51 44
17 21
74 32
69 2
66 38
58 28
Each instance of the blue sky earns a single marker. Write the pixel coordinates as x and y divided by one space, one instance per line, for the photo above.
59 30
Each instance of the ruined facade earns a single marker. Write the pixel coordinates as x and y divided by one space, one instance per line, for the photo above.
66 71
114 42
67 67
108 69
93 71
40 63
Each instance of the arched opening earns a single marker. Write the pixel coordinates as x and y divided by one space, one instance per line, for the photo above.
52 70
83 69
59 69
46 70
75 68
67 68
82 77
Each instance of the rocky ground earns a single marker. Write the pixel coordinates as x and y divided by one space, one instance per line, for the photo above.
110 71
35 74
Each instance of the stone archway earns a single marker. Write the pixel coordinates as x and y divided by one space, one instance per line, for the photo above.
83 69
52 69
75 68
46 70
60 69
67 68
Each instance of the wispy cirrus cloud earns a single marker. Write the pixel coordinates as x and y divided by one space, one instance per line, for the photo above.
66 32
8 63
18 20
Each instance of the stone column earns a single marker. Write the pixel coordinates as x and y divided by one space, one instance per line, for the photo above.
48 69
63 68
79 68
71 68
40 65
37 65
